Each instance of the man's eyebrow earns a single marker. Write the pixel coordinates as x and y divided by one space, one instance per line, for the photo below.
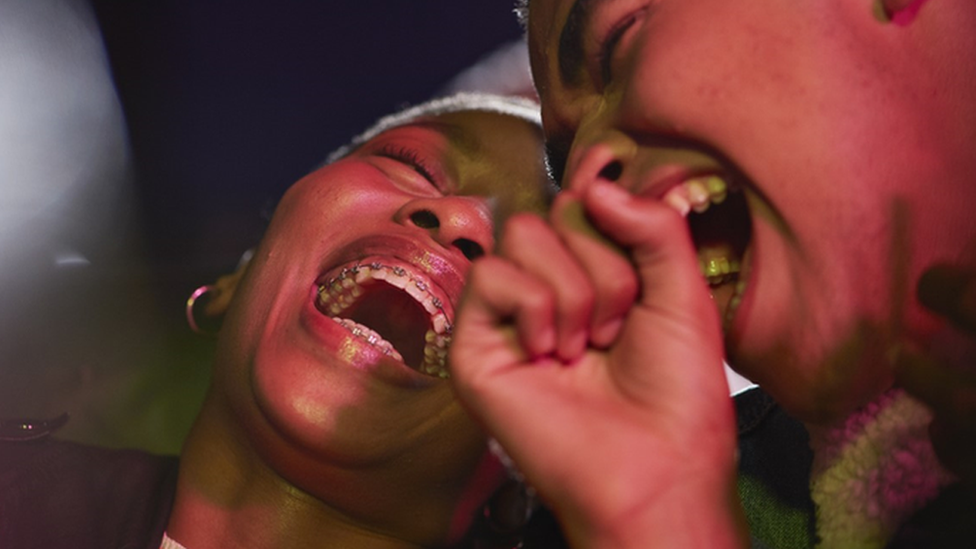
570 53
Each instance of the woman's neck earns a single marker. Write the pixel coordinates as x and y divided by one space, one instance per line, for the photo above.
228 497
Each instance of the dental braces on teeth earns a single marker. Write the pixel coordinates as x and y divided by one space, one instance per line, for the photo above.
340 292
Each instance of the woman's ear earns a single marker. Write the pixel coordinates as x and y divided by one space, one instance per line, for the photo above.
223 292
226 286
214 300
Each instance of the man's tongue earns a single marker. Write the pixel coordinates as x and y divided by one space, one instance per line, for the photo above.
721 265
722 235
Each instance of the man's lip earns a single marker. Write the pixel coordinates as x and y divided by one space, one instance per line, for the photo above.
662 179
659 181
444 274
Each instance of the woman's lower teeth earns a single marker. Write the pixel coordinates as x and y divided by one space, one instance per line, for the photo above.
435 347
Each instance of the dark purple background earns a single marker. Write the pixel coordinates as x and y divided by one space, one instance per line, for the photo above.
228 102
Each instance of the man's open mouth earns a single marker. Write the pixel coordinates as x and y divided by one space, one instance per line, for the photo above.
393 307
721 228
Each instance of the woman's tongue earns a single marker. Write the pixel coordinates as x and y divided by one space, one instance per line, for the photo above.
397 318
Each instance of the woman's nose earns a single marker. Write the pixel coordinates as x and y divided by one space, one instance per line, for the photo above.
460 222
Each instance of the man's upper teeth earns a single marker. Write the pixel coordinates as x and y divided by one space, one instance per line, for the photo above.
340 292
697 193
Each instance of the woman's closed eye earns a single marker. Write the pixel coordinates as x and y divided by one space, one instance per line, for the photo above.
412 158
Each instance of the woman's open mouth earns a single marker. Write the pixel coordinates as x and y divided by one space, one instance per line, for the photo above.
721 228
393 307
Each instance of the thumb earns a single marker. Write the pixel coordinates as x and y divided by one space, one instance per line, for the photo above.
660 246
675 323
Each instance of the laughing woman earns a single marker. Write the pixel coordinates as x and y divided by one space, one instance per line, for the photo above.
328 422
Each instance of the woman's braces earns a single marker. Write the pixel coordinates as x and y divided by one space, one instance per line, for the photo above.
341 291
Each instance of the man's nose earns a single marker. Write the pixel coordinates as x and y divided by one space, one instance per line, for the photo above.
600 154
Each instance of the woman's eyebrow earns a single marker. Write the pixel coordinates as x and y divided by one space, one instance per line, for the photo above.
457 135
570 53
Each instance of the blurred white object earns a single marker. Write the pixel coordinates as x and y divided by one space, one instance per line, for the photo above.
737 383
63 145
65 205
504 71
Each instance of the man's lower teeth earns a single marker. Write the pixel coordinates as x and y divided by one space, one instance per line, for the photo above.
734 302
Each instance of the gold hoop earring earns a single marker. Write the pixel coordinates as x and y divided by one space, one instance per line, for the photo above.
191 302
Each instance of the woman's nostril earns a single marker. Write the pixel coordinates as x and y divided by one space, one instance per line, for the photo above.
425 219
471 249
612 171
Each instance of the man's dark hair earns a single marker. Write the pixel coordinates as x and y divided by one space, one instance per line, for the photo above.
522 12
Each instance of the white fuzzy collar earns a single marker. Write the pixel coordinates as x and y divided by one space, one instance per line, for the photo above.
170 543
873 472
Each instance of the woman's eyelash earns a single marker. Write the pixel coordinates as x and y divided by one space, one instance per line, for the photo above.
609 45
409 157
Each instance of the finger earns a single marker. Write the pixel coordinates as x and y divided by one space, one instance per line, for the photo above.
498 296
660 246
950 291
674 319
532 245
609 270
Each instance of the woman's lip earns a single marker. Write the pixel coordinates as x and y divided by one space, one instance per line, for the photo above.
348 295
433 264
422 263
338 342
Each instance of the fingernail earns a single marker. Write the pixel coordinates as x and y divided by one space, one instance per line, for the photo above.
545 343
604 335
574 347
